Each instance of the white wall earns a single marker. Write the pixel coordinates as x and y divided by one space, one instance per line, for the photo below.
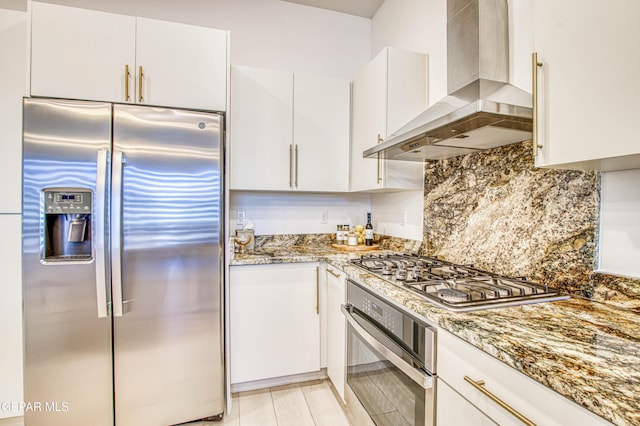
620 223
265 33
399 214
299 213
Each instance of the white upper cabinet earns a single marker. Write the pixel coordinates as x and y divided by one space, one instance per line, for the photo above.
261 123
288 132
182 65
387 93
321 125
588 84
80 54
86 54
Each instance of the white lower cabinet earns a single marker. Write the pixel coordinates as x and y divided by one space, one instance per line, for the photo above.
459 402
453 410
336 329
274 321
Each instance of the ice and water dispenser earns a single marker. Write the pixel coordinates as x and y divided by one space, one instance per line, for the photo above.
67 220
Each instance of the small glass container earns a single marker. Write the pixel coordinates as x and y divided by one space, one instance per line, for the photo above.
352 239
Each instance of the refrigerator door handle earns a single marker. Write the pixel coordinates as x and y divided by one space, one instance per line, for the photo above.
99 220
116 233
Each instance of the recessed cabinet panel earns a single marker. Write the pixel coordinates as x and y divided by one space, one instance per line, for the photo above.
80 54
588 85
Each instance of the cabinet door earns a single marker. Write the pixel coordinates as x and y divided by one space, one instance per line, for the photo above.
336 329
13 51
182 65
261 123
274 321
321 133
588 85
79 53
453 410
407 88
11 313
387 93
369 121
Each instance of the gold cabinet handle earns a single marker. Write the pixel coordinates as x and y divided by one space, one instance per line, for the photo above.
380 139
479 385
290 166
296 165
127 75
140 85
534 88
317 290
333 273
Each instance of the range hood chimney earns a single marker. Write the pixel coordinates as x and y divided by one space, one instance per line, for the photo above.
482 110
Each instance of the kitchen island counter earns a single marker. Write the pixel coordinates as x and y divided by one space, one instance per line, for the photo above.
586 351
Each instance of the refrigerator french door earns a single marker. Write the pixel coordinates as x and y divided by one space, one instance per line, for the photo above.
121 264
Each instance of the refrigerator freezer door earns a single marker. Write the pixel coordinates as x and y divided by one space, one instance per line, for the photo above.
167 342
68 362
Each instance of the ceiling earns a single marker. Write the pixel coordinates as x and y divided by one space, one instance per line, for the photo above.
364 8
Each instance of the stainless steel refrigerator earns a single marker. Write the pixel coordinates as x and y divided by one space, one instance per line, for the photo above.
122 232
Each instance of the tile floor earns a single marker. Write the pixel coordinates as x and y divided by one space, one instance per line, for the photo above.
304 404
309 403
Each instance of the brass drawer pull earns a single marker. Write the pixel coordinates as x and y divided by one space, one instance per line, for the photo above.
127 74
333 273
379 176
140 98
534 86
479 385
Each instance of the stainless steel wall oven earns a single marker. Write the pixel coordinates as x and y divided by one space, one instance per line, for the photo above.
390 360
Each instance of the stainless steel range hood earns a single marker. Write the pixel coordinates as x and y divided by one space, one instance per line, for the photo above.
482 109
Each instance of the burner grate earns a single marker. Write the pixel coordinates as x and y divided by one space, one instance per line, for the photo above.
453 286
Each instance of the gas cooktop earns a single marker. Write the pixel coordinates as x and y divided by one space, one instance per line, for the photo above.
455 287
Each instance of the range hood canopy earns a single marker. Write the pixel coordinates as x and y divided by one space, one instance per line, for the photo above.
482 109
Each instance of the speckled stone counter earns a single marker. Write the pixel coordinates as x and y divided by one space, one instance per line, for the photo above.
584 350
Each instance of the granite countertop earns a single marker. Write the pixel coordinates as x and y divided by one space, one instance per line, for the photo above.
587 351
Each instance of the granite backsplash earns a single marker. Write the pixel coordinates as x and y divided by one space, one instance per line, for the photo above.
495 210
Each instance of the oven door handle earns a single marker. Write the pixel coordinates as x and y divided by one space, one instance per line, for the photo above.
423 379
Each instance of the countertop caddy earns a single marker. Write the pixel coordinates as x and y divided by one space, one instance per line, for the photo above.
587 351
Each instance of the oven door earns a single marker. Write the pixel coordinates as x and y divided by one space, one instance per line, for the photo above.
384 377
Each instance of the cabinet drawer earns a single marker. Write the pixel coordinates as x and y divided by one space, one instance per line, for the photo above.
541 405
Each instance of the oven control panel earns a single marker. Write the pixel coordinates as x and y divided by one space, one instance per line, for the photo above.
389 317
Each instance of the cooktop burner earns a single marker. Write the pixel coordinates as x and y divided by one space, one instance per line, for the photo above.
452 286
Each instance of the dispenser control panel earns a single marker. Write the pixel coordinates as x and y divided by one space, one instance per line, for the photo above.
67 202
